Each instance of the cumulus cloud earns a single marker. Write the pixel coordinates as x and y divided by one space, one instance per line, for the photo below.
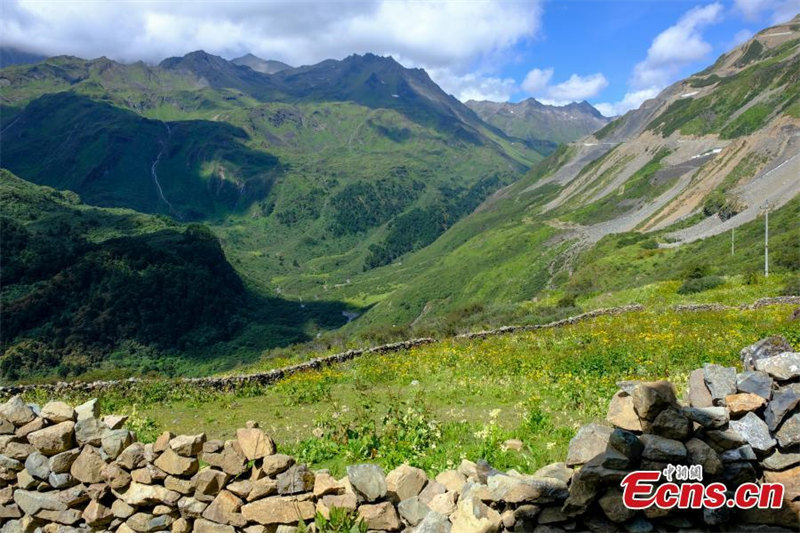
676 47
575 89
777 10
631 100
452 38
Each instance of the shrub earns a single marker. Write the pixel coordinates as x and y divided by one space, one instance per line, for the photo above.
792 287
693 285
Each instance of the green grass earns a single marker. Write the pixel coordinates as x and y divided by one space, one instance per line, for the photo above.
457 399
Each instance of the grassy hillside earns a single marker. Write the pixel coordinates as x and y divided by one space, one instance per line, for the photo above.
460 398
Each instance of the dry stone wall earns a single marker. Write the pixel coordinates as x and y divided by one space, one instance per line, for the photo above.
65 469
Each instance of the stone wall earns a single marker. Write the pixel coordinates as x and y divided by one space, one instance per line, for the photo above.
271 377
68 469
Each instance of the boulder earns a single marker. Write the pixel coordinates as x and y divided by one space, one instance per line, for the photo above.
662 449
57 412
783 401
763 349
187 445
278 510
782 367
208 482
434 523
368 481
115 421
274 464
672 424
590 441
262 487
324 483
62 462
32 502
115 476
405 482
38 466
132 457
96 514
88 466
650 398
16 411
89 431
380 516
114 441
89 409
34 425
121 510
720 380
452 480
139 494
724 439
297 479
622 414
700 453
473 516
699 396
709 417
789 433
412 510
755 432
255 443
755 382
231 459
177 465
225 510
53 439
191 507
444 503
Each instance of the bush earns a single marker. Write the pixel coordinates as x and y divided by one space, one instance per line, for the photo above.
693 285
792 287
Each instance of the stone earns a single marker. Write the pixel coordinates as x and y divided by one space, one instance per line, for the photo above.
624 442
96 514
297 479
755 432
205 526
26 481
535 490
789 433
184 486
790 479
473 516
6 427
87 466
114 441
763 349
780 460
225 510
662 449
208 482
231 459
561 471
148 474
590 441
90 409
18 450
412 510
62 462
755 382
324 483
145 522
782 367
115 476
89 431
274 464
720 380
737 473
744 402
443 503
162 441
670 423
255 443
434 523
57 412
433 488
452 480
32 502
139 494
724 439
115 421
742 453
262 487
16 411
622 414
68 517
515 445
278 510
240 488
650 398
702 454
38 466
187 445
53 439
380 516
191 507
698 391
10 511
177 465
132 457
709 417
405 482
783 401
508 518
61 481
213 446
97 491
34 425
343 501
181 525
368 481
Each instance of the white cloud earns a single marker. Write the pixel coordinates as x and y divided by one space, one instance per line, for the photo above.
631 100
676 47
777 10
575 89
474 86
740 37
536 80
452 38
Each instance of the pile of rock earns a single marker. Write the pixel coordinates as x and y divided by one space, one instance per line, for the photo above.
65 469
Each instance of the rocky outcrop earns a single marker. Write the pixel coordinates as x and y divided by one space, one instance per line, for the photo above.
65 469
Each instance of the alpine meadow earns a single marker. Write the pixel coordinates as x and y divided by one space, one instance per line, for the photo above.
450 313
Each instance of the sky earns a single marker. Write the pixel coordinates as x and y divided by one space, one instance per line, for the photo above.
612 53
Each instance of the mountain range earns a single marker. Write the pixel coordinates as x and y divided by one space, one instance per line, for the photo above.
358 191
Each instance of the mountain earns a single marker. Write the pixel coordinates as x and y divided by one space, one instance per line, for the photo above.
14 56
264 66
531 120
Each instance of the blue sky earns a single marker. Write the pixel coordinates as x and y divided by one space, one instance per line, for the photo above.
612 53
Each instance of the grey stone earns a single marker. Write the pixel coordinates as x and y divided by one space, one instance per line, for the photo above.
710 417
368 481
434 523
763 349
61 463
275 464
755 382
720 380
613 507
782 367
755 432
412 510
670 423
114 441
89 409
32 502
10 463
61 481
702 454
652 397
297 479
57 412
783 401
742 453
724 439
736 473
780 460
590 441
38 466
16 411
662 449
789 433
89 431
53 439
698 391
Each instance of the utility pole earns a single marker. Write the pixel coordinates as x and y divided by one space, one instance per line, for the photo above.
765 207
